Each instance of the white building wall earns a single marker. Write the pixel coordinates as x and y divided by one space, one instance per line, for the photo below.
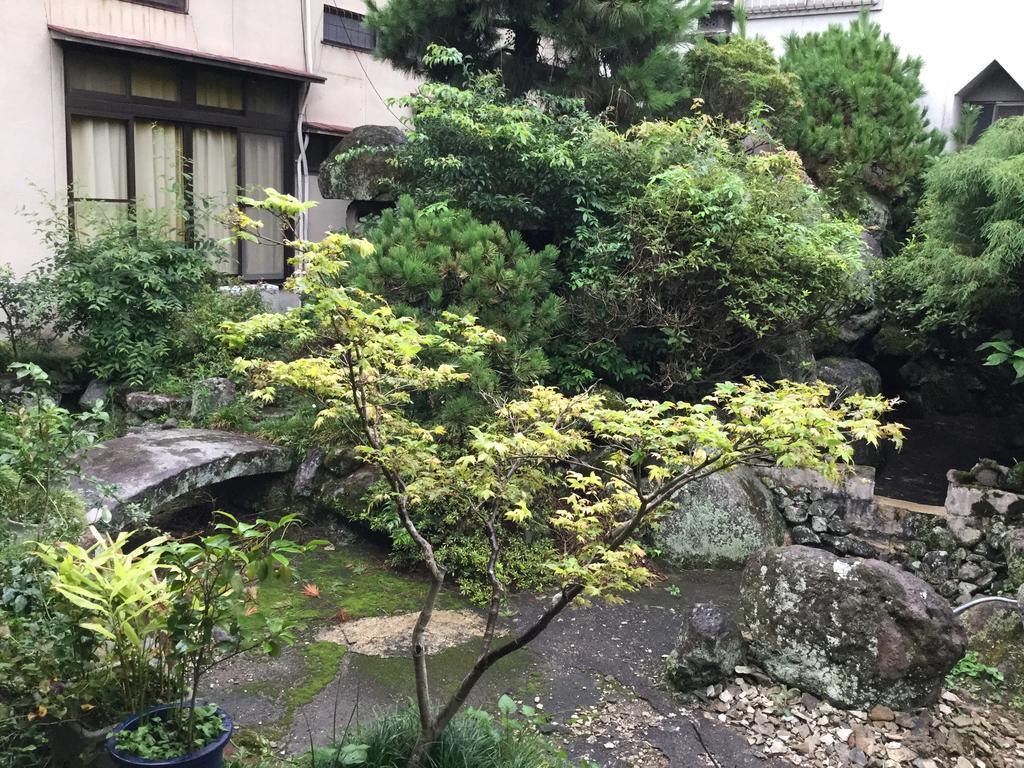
33 155
955 39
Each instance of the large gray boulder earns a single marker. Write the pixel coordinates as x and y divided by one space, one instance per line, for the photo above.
211 395
708 650
718 521
857 632
366 174
847 376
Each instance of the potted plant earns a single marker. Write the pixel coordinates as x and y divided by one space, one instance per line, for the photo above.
167 612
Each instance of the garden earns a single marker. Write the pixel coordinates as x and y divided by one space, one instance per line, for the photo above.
582 450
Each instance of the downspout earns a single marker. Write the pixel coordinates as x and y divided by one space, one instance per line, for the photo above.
301 163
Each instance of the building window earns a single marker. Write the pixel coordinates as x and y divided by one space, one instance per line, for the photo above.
181 6
181 140
348 29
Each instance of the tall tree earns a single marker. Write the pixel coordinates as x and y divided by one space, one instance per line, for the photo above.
862 131
620 56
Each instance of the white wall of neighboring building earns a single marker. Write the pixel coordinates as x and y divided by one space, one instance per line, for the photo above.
33 155
956 40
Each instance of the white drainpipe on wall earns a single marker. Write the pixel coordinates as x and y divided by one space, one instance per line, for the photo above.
301 164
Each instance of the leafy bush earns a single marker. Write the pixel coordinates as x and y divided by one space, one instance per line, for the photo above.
27 309
861 131
47 670
531 165
739 76
121 288
38 440
474 738
721 251
426 262
962 274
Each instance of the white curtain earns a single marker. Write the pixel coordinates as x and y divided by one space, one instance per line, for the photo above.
92 73
216 89
153 80
215 180
99 169
264 167
158 171
99 158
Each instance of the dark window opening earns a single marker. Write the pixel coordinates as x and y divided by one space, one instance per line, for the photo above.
181 6
347 29
319 149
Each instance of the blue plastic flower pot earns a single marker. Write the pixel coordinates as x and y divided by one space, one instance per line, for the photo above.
210 756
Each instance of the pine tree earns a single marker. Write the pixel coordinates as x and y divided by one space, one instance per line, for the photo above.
861 131
620 56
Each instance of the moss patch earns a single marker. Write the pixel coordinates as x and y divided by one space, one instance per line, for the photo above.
395 675
319 665
351 581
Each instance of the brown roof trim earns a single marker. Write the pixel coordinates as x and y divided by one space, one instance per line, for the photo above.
148 48
327 128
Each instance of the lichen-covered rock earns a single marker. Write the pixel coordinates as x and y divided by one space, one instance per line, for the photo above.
708 649
149 405
364 175
1013 551
161 469
858 632
211 395
716 522
345 495
95 392
307 476
847 376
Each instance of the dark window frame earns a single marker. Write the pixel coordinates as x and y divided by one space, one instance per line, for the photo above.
348 42
187 114
990 115
174 6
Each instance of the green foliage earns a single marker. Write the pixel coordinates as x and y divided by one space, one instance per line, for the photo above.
47 670
194 352
621 58
475 738
720 251
1005 352
164 612
160 738
969 116
741 76
426 262
861 131
970 667
616 465
530 165
120 290
38 442
27 310
963 274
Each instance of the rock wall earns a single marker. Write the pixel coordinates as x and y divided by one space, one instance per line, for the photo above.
974 546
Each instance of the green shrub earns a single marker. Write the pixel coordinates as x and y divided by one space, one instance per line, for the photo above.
739 76
962 274
38 442
861 131
535 165
120 290
721 251
474 738
27 311
438 260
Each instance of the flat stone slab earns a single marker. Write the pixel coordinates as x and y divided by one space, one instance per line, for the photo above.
161 467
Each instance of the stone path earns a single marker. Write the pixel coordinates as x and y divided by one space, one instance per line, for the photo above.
162 467
596 673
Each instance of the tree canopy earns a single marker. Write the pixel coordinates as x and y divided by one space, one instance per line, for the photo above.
620 56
